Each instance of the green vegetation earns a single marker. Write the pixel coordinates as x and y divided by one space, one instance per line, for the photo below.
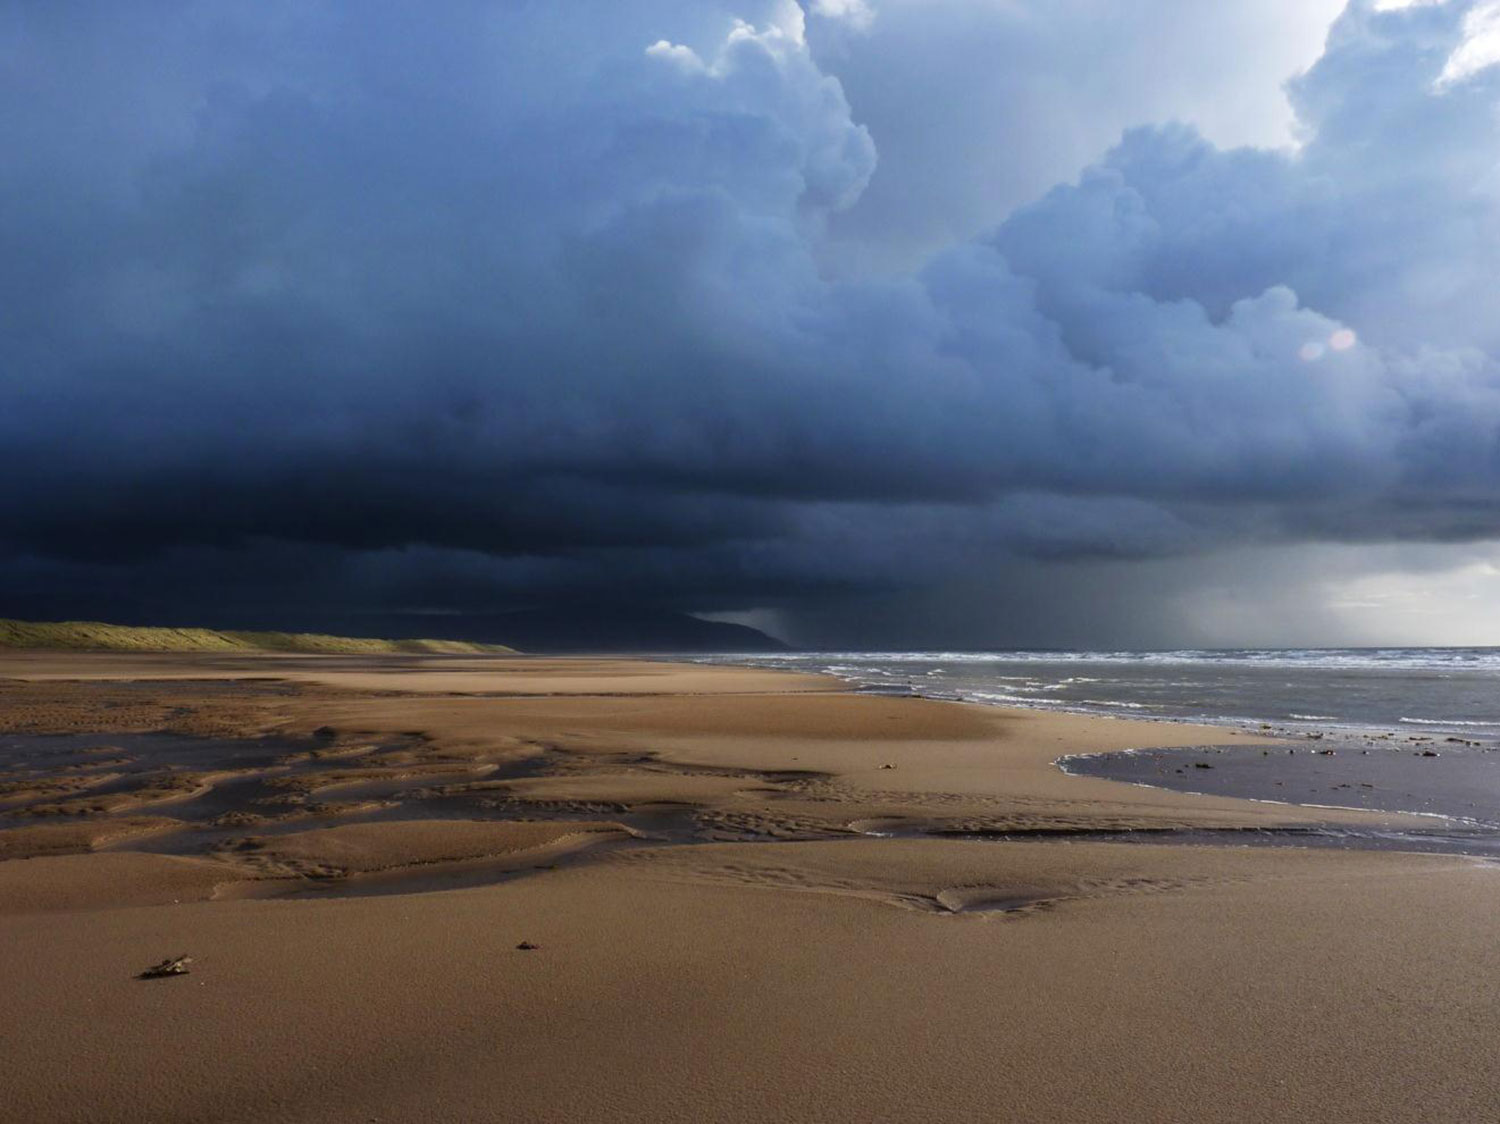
93 636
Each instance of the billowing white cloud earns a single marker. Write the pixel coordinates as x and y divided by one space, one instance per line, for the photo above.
858 13
979 106
1481 47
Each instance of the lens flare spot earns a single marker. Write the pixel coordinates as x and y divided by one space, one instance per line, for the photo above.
1311 351
1342 340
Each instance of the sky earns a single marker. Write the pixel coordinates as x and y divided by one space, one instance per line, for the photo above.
958 323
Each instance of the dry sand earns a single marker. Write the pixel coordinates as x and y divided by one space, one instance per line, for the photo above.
718 940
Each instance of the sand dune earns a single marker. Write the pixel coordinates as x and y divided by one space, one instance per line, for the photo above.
97 636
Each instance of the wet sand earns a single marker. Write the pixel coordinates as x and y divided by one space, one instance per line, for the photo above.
352 849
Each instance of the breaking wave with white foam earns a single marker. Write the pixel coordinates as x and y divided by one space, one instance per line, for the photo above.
1444 690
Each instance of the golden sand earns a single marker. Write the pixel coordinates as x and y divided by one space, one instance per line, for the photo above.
354 934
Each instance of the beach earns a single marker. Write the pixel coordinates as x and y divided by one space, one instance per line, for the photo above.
752 895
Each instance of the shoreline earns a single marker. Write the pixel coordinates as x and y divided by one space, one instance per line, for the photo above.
641 894
1301 726
1334 737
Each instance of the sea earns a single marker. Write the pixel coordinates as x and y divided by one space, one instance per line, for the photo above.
1397 729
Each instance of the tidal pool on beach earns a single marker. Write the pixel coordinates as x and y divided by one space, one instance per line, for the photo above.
1458 785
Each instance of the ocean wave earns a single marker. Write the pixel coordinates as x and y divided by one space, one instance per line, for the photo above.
997 697
1444 722
1233 689
1404 659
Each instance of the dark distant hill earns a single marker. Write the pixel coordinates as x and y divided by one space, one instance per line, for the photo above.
574 628
593 629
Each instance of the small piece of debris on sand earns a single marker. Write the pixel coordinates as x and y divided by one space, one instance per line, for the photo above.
527 946
171 966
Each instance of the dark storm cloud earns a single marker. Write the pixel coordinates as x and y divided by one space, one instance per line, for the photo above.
506 301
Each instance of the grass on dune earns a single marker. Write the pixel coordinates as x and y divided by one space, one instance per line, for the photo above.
96 636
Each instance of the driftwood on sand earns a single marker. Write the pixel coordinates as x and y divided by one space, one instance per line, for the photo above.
171 966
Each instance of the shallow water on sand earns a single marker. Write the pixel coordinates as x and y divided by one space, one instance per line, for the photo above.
1457 781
